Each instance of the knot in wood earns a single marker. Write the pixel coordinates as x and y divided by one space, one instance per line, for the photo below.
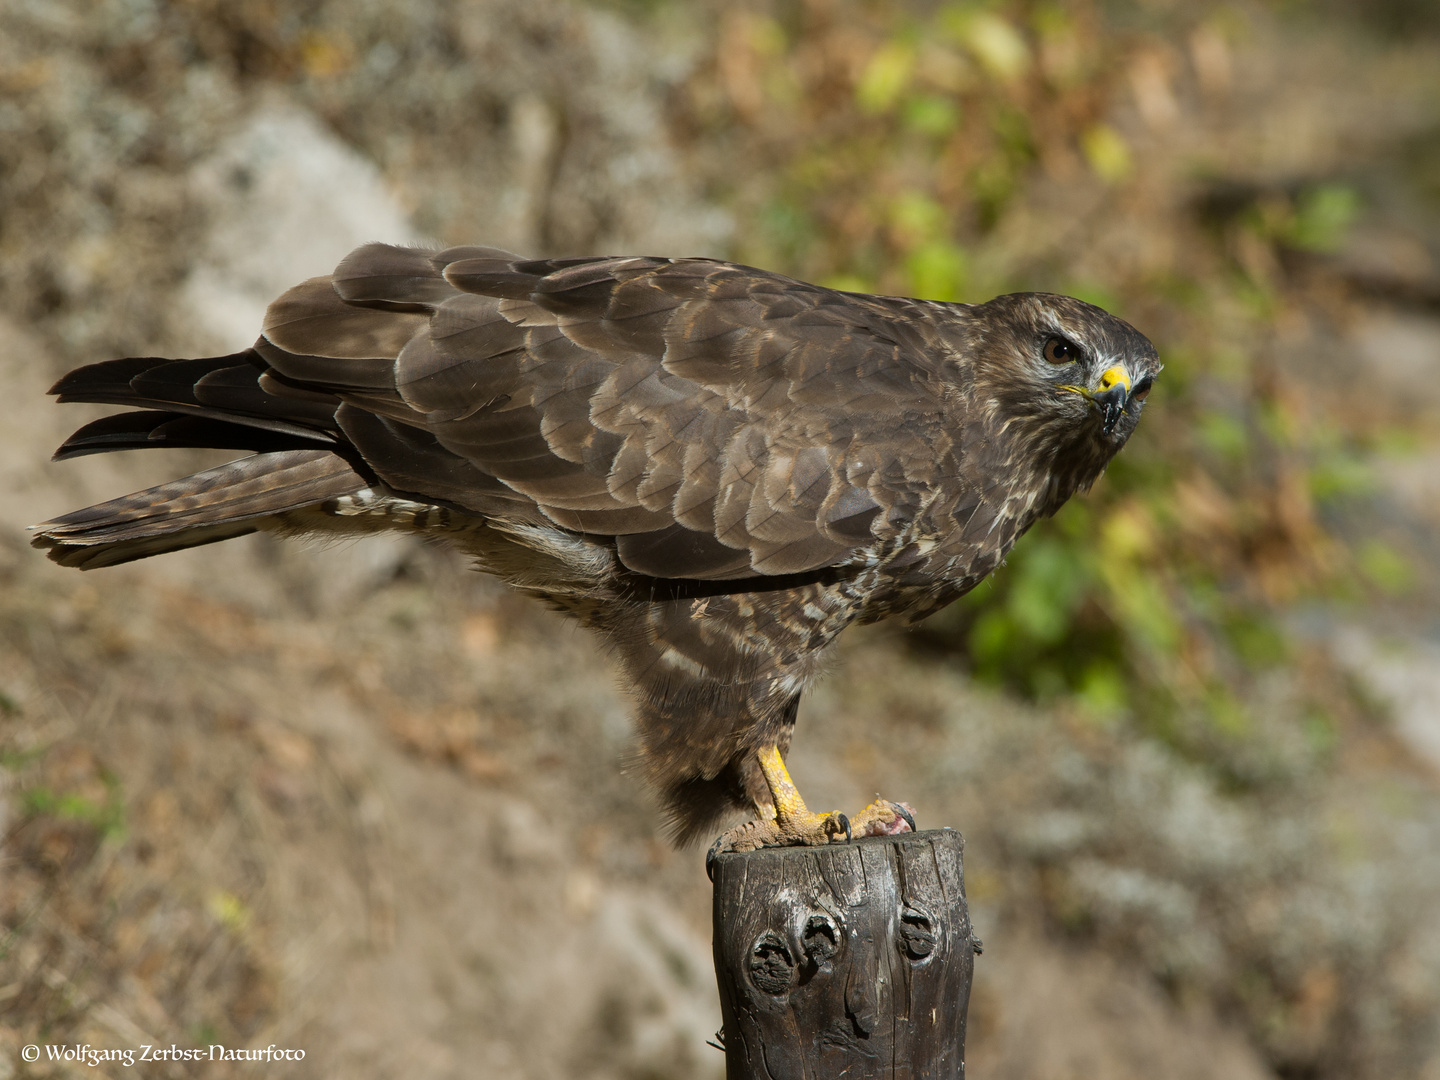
917 932
821 939
772 968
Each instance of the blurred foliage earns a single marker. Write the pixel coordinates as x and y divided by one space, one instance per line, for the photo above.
107 816
959 150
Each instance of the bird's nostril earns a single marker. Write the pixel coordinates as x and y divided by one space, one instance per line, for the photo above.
1115 376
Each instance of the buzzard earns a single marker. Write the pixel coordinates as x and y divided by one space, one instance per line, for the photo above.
714 467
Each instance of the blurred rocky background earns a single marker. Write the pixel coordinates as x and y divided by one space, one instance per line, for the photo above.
362 802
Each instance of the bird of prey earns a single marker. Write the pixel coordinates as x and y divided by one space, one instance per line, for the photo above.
716 468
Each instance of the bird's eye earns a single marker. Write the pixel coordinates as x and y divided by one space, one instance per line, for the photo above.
1060 351
1142 388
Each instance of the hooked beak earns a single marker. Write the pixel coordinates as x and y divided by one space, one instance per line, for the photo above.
1111 396
1114 392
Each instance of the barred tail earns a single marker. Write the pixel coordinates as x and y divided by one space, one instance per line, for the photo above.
217 504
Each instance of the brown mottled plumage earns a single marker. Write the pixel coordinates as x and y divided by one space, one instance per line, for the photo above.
716 468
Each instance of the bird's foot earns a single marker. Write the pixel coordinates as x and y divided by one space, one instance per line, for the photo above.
793 830
884 818
881 818
790 823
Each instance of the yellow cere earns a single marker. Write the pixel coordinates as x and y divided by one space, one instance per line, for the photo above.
1115 375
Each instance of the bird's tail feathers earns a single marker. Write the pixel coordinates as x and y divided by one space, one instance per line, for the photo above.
217 504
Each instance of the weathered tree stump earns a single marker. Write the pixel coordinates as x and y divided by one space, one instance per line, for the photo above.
850 960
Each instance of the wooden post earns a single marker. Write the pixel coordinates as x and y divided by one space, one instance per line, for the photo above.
849 960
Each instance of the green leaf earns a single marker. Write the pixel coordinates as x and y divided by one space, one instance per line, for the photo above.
937 271
885 78
931 114
1322 217
1340 475
1107 152
917 216
1102 693
1384 567
991 637
1048 584
996 43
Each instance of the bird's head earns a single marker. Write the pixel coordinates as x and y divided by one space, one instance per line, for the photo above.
1063 380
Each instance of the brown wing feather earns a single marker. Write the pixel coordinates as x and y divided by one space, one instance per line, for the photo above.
719 421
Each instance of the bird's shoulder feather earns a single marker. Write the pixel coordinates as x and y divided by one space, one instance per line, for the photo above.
718 421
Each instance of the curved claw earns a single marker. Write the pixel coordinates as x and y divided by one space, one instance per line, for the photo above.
844 821
885 818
